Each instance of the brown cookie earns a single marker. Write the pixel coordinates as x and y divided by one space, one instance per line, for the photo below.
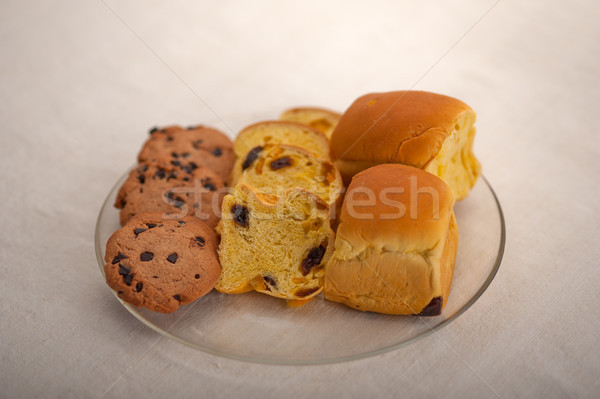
187 149
161 264
175 192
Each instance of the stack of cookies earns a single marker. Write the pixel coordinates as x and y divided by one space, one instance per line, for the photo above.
165 255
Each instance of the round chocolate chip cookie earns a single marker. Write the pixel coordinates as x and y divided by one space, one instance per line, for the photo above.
187 149
175 192
161 264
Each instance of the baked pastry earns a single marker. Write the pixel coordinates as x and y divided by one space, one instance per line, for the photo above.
252 138
425 130
277 168
174 191
317 118
160 264
396 243
187 149
274 245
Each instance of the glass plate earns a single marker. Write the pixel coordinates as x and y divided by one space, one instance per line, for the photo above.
258 328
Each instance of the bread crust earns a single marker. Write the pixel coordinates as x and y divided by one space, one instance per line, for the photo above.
321 119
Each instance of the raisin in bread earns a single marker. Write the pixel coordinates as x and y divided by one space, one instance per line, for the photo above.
277 168
317 118
254 137
274 245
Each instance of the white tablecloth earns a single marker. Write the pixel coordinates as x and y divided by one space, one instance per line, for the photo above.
82 81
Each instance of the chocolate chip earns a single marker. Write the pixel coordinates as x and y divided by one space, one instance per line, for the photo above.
187 169
196 144
434 308
153 130
193 165
128 279
143 168
200 241
240 215
175 162
120 292
209 186
138 230
169 138
314 257
217 152
174 154
172 175
197 276
118 258
141 179
139 286
186 178
160 174
124 270
151 225
185 154
190 127
180 222
281 163
146 256
177 298
251 157
172 258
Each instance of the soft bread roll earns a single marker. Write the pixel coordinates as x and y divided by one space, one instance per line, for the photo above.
276 132
276 168
425 130
396 243
321 119
275 245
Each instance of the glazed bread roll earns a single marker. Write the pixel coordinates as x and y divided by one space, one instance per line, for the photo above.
276 168
425 130
276 132
317 118
396 243
275 245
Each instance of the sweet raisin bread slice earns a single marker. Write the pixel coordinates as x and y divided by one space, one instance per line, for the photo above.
256 136
321 119
274 245
277 168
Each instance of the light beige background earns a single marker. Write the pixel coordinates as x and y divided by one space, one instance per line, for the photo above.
82 81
